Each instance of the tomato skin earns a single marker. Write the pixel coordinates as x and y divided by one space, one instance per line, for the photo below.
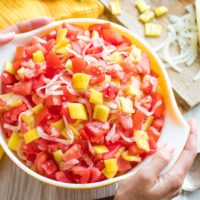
144 65
123 165
95 174
22 88
129 67
83 172
126 121
30 148
134 150
7 78
74 152
62 177
73 30
160 110
53 101
39 161
96 131
97 79
112 36
68 95
154 133
49 167
20 53
158 123
41 116
112 152
138 119
78 64
111 92
99 27
149 84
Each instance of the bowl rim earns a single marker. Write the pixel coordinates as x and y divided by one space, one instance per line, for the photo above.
22 166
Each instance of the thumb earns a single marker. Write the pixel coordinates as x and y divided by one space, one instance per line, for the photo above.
6 37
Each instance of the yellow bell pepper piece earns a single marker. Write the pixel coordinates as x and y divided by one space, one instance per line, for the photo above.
109 175
146 16
77 111
111 165
126 104
160 11
128 157
153 30
21 72
14 141
58 156
37 108
68 65
135 54
141 139
115 58
99 149
101 112
31 135
74 130
62 50
8 67
28 119
96 97
119 152
14 104
61 39
147 123
1 152
132 90
38 56
115 8
80 81
59 125
142 6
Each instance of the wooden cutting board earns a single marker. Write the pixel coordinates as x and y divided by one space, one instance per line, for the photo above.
187 91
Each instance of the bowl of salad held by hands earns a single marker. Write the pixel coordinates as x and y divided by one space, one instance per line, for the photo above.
84 103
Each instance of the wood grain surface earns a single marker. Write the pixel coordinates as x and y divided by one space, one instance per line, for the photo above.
184 86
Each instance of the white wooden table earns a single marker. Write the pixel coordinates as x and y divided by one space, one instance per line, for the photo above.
17 185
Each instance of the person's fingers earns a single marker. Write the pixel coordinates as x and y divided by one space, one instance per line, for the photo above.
28 25
173 180
5 38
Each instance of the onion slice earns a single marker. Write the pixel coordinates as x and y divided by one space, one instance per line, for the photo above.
111 133
125 138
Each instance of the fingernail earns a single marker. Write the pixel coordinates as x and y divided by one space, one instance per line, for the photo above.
168 148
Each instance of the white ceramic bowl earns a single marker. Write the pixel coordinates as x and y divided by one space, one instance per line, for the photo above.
175 130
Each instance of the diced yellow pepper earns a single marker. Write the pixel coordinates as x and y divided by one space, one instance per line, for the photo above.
153 30
115 58
74 130
119 152
109 175
77 111
135 54
14 103
14 141
68 65
142 6
132 90
62 50
126 104
141 139
1 152
99 149
111 165
147 123
21 72
160 11
8 67
128 157
38 56
61 35
37 108
64 134
58 156
96 97
101 112
80 81
31 135
116 81
115 8
28 119
146 16
59 125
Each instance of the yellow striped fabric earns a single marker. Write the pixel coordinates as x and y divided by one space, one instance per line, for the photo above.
19 10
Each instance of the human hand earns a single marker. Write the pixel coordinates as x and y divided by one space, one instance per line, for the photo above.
147 184
8 34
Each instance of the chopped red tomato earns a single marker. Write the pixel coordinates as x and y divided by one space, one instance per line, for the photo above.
144 65
41 116
112 36
78 64
134 150
123 165
74 152
41 158
7 78
126 121
83 172
73 30
99 27
20 53
53 101
22 88
95 174
111 91
138 119
154 133
49 167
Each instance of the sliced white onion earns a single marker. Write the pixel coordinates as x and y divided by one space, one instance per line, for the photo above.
125 138
53 139
83 38
11 127
111 133
87 105
86 48
69 164
111 105
73 52
145 111
40 40
68 130
90 148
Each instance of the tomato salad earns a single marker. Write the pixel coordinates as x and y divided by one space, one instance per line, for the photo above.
81 106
